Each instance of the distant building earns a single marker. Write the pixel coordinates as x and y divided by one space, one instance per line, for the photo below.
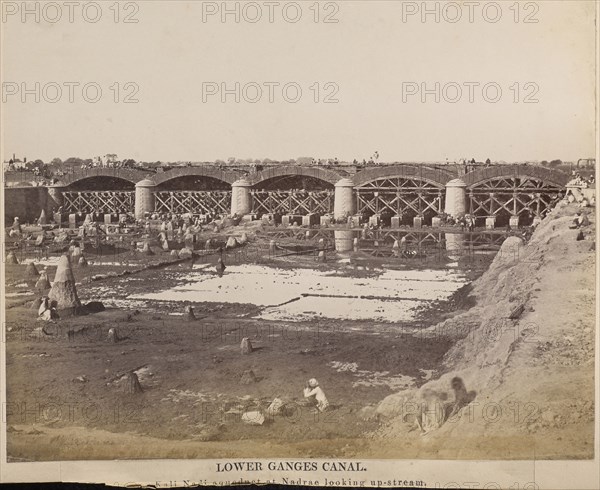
14 164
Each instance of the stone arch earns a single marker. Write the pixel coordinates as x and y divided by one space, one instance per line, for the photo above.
101 183
326 175
204 171
436 176
130 175
193 183
496 172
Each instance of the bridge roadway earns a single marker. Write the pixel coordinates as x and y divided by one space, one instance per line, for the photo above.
414 194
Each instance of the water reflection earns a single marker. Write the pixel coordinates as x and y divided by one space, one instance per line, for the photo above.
409 245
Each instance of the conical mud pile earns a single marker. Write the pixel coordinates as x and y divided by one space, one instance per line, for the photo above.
63 289
146 250
189 314
42 220
31 271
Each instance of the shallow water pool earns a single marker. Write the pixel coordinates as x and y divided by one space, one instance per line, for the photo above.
303 294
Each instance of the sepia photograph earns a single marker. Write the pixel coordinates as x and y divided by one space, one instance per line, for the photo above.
327 243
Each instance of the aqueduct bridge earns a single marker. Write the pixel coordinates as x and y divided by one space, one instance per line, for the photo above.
397 194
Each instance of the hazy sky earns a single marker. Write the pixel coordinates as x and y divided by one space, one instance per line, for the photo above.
374 52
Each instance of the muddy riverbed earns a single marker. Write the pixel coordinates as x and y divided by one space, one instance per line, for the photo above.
349 322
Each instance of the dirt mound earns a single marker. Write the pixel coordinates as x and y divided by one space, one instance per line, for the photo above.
248 377
146 250
526 349
63 289
31 271
42 220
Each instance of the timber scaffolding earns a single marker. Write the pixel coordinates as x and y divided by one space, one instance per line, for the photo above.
386 195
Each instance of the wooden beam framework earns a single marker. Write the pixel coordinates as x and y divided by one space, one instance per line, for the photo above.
113 202
403 197
299 203
194 202
512 196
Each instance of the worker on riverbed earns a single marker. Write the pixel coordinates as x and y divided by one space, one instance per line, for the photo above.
403 244
462 398
220 264
316 395
16 228
431 411
580 221
470 222
47 311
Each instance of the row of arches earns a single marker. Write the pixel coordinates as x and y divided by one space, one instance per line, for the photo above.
208 176
401 192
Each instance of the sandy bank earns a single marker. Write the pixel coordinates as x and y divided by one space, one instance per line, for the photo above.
527 351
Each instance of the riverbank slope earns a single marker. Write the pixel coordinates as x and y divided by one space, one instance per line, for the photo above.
527 351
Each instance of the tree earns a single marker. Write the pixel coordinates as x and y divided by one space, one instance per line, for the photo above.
555 163
33 164
57 162
73 161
